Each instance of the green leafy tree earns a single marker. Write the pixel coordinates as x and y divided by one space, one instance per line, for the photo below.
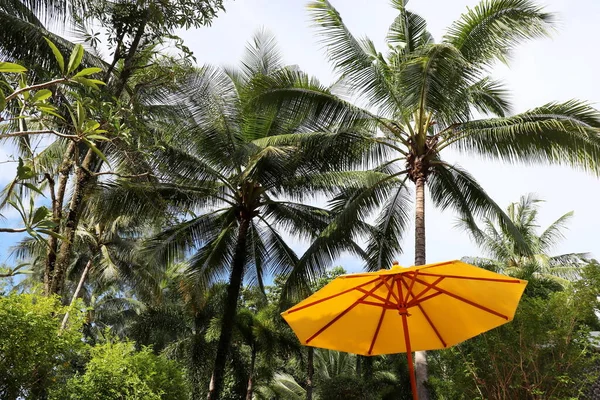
136 75
506 256
422 99
34 354
117 371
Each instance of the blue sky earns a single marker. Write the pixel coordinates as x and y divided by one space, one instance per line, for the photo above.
556 69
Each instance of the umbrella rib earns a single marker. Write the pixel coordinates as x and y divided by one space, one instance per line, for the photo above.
391 290
418 304
457 297
390 306
414 302
412 282
472 278
332 296
383 310
437 333
357 302
428 288
375 296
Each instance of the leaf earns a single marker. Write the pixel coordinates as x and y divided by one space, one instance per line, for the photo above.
57 54
87 71
41 95
2 100
23 171
51 233
50 110
34 188
90 126
96 150
7 67
97 137
93 83
75 59
39 215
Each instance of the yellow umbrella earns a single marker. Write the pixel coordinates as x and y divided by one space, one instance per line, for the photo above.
400 310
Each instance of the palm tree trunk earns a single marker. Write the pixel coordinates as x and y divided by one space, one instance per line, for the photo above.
310 361
79 286
72 221
367 368
233 293
420 356
250 389
57 204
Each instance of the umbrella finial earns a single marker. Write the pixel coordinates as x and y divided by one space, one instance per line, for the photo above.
395 262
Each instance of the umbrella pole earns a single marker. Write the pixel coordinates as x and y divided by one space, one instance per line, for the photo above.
411 368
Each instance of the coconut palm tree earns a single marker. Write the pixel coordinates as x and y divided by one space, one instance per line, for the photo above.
234 190
507 258
422 99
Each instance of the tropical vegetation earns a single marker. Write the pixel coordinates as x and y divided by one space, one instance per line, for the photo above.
159 201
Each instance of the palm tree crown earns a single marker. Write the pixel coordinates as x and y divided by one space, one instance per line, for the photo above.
508 258
234 188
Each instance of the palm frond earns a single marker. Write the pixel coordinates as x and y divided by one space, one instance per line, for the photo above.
554 232
559 133
489 97
262 55
490 30
452 187
349 58
409 30
384 245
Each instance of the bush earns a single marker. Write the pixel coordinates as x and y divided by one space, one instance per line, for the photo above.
544 353
343 388
33 355
117 371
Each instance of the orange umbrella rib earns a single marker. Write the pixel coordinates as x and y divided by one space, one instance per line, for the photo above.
391 290
357 302
470 278
428 288
380 321
412 282
414 302
373 295
466 301
331 297
437 333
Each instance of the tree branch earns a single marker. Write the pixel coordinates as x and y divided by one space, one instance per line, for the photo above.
39 132
12 230
36 87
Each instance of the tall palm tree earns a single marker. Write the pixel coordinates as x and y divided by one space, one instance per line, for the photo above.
422 99
507 258
235 190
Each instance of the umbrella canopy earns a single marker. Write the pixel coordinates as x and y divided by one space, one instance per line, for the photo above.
399 310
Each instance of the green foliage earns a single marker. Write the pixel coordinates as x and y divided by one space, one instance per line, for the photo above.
117 371
545 352
526 253
33 353
343 388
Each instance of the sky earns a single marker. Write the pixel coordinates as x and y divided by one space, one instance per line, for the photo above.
556 69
